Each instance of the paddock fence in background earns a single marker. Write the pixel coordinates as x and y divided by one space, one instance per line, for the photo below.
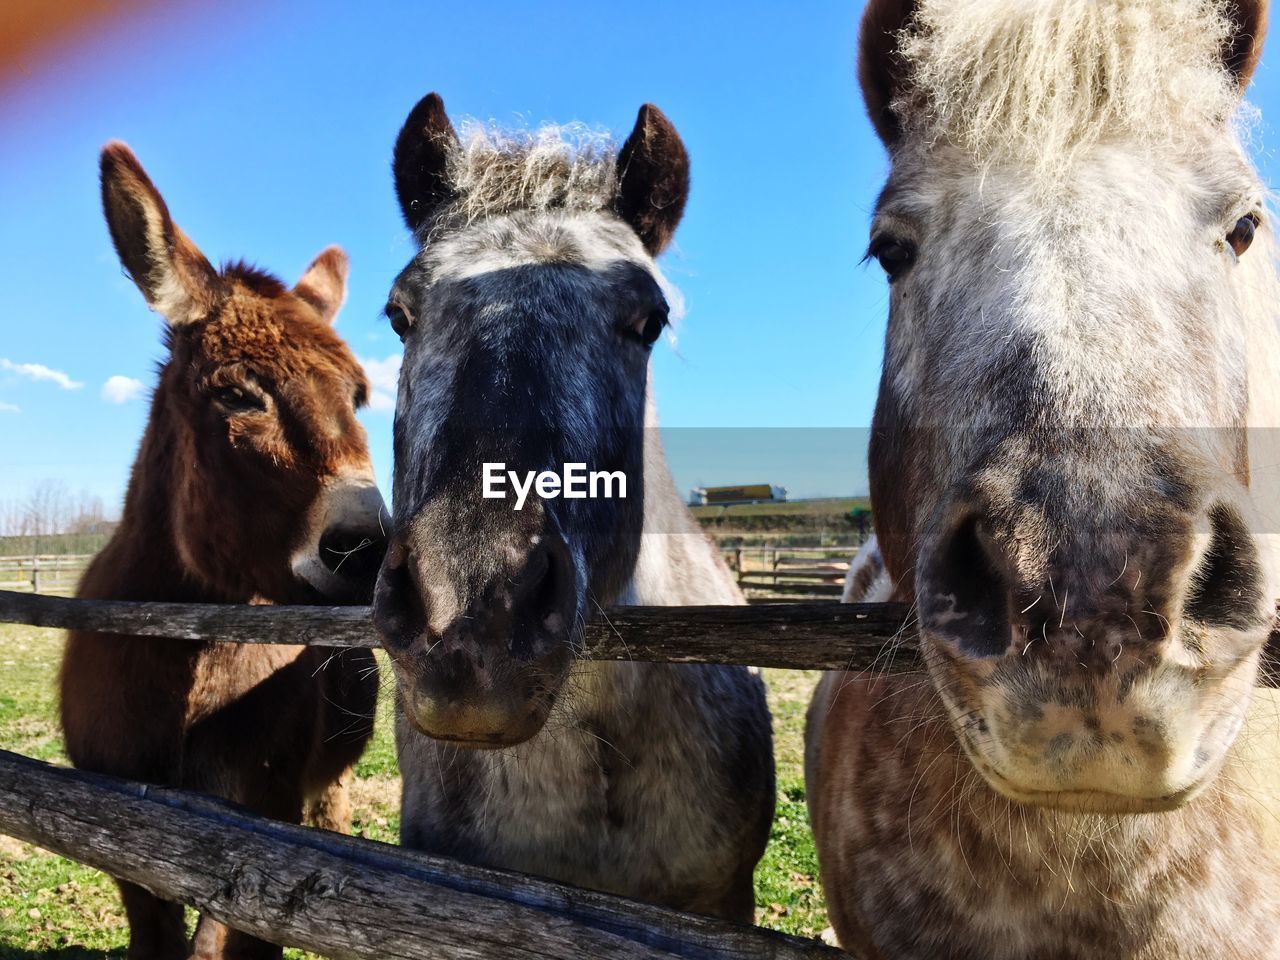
56 573
765 573
771 573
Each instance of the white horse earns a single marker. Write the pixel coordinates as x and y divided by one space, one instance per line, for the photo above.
1075 483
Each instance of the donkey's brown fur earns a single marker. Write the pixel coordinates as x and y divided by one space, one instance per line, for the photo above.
252 461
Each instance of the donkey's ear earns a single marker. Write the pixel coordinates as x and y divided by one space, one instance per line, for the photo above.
420 162
881 72
171 272
653 179
324 285
1243 48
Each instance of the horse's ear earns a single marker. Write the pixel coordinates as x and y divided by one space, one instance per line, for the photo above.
1243 48
173 275
653 179
324 285
880 69
420 162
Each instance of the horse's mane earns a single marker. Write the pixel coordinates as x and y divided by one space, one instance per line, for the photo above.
498 172
1023 79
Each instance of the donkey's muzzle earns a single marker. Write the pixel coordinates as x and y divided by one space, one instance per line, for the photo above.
354 554
339 559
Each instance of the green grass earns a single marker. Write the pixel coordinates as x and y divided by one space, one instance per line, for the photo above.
48 906
788 895
51 907
51 543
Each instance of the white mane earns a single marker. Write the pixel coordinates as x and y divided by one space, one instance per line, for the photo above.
570 167
1041 79
495 172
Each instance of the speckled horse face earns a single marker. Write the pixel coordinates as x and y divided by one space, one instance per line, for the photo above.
528 318
1061 454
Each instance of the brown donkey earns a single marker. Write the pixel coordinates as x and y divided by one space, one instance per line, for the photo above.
252 484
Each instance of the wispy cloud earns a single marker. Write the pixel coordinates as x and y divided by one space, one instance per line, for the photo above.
119 389
9 407
38 371
383 376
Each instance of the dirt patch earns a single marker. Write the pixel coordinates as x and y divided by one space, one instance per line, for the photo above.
13 850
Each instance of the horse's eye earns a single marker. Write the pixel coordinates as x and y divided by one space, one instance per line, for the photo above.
237 400
401 319
648 327
1241 234
894 256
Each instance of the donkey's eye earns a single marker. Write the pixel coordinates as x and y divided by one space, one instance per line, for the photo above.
894 256
648 327
400 318
1241 234
236 400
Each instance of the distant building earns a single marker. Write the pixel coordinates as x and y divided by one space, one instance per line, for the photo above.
727 496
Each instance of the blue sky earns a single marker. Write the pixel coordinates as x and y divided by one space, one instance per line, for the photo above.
268 127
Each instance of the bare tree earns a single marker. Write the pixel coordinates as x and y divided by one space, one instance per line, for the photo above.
48 508
11 514
87 515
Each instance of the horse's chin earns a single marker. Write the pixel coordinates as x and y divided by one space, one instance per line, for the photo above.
1092 801
1099 744
483 724
1100 798
469 744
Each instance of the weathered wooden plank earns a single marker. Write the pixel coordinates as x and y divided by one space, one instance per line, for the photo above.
242 623
805 636
344 897
816 635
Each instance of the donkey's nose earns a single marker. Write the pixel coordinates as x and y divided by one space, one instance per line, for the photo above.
353 552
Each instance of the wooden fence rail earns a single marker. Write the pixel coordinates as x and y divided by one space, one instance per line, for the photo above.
803 636
798 636
343 897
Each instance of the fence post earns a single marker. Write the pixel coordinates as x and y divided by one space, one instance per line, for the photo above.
35 574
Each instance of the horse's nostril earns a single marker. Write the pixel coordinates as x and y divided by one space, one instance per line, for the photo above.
1226 589
398 612
544 599
965 593
352 553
